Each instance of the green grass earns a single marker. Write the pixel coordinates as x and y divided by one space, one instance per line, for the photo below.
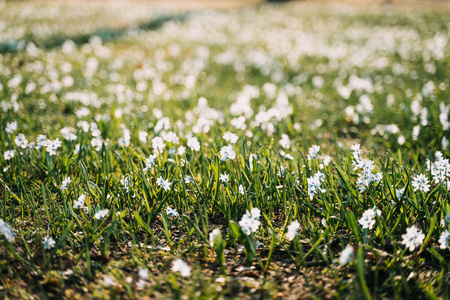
298 70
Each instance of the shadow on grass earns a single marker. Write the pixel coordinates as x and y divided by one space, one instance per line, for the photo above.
104 33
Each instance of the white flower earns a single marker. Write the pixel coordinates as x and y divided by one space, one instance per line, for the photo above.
399 192
314 184
326 160
444 239
21 141
41 141
313 152
172 212
143 273
149 162
227 152
143 136
440 169
230 137
241 189
11 127
224 178
141 284
101 214
356 154
193 144
158 145
366 177
214 235
165 184
77 149
285 142
368 218
420 182
68 134
292 230
188 179
65 184
52 146
413 238
180 266
347 255
250 221
80 202
108 281
181 150
7 231
49 243
9 154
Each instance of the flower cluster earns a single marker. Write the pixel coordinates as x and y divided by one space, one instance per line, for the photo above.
366 177
440 169
250 221
368 218
315 183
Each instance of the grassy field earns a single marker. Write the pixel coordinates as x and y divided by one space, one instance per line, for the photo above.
273 152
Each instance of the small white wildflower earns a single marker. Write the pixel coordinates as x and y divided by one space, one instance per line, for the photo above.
11 127
108 281
326 160
193 144
227 152
140 284
21 141
188 179
143 273
181 150
285 142
250 221
368 218
41 141
313 152
413 238
165 184
143 136
172 212
293 230
80 202
51 146
399 192
7 231
158 145
444 239
315 183
180 266
9 154
149 162
420 182
213 236
241 189
347 255
230 137
49 243
65 184
101 214
224 178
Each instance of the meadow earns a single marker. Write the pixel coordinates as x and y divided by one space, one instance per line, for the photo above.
273 152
